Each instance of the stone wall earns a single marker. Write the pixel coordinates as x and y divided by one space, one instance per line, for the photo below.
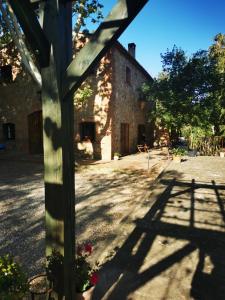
97 109
18 99
113 101
127 106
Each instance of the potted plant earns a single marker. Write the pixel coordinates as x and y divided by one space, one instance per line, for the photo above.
13 281
54 272
116 156
86 276
86 273
178 153
222 152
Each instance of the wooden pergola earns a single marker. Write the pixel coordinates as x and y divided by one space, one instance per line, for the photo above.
50 39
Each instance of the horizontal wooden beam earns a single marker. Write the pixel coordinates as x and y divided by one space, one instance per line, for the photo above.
28 21
109 30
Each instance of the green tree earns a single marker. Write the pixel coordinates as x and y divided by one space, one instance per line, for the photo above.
170 98
190 91
216 101
84 10
11 34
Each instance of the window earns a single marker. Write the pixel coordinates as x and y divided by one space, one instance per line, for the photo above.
8 131
128 75
6 73
87 131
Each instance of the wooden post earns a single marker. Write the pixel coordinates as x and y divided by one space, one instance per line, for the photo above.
52 49
58 142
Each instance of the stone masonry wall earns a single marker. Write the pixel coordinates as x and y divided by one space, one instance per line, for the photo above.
113 101
18 99
127 108
97 108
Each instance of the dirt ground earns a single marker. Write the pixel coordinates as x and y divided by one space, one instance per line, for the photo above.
156 239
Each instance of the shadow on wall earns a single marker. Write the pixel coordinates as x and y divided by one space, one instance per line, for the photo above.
182 236
95 111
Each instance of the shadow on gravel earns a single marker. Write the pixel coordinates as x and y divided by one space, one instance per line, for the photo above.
109 200
22 214
191 213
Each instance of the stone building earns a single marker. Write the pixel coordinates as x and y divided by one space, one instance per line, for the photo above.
109 116
114 119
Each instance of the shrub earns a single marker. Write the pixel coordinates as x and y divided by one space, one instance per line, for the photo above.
13 281
179 151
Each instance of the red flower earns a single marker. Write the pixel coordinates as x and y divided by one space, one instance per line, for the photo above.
88 248
94 279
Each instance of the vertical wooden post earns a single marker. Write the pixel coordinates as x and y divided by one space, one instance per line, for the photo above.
58 141
57 107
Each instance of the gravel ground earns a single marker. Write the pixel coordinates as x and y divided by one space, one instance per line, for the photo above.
175 250
109 197
22 230
156 240
22 213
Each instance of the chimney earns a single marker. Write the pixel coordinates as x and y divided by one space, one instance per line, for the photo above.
131 49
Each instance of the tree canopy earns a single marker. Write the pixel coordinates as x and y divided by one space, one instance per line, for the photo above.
190 91
11 35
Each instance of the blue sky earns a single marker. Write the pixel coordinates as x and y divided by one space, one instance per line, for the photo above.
189 24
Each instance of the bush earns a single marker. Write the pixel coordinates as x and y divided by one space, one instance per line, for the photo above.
13 281
117 154
179 151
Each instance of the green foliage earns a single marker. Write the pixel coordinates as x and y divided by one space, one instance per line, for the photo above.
13 281
190 91
84 10
5 36
85 274
208 145
82 95
117 154
54 271
179 151
193 134
216 101
202 140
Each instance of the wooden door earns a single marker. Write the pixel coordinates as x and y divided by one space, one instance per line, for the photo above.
35 132
124 138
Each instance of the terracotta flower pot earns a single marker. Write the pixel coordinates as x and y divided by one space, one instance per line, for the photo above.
116 157
87 295
39 286
177 158
222 154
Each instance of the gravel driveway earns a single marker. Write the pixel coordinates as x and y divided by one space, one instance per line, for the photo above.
104 196
160 240
22 213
